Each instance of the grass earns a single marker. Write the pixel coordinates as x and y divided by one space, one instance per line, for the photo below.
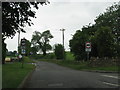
69 56
28 60
13 73
81 65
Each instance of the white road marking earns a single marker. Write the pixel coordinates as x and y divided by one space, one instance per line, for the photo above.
116 77
111 84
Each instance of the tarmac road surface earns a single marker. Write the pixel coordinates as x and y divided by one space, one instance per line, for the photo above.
49 75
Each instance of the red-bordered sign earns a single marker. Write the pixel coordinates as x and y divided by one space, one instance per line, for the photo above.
88 45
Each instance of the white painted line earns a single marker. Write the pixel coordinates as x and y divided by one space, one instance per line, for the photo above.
111 84
116 77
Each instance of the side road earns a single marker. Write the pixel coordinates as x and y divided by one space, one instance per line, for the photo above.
49 75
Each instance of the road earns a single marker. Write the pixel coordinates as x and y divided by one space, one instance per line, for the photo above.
49 75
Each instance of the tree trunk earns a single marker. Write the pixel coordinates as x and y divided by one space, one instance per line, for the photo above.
3 51
44 52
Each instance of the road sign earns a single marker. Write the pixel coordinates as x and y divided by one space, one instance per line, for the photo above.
88 45
23 51
23 43
88 49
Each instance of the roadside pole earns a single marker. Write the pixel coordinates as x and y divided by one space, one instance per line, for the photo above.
87 55
63 42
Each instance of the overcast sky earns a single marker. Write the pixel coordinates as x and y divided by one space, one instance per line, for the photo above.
69 15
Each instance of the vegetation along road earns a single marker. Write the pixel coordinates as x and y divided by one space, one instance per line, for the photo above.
49 75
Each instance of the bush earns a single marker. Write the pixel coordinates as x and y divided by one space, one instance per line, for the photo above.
59 51
69 56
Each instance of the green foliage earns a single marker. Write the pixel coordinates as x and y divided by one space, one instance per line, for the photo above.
82 65
28 47
104 36
15 16
28 60
40 56
105 42
77 45
41 41
110 18
69 56
11 54
34 50
59 51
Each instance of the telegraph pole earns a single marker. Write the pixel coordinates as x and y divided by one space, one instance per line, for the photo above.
63 42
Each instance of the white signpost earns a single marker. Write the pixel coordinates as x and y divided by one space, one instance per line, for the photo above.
88 48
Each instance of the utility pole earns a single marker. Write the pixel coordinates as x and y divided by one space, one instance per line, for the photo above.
63 42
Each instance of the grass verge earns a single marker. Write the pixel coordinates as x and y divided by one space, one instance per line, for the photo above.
28 60
13 74
82 65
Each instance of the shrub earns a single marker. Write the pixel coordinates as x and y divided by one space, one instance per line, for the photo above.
59 51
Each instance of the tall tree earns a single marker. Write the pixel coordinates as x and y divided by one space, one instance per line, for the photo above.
77 45
111 18
104 35
15 16
105 42
28 47
41 40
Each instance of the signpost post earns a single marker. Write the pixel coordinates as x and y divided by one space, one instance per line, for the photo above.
88 48
23 51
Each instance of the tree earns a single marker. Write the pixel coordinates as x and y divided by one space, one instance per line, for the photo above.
111 19
34 50
28 47
15 16
59 51
41 40
90 30
104 35
77 45
105 42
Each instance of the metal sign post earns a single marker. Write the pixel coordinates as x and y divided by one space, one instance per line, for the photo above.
88 49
